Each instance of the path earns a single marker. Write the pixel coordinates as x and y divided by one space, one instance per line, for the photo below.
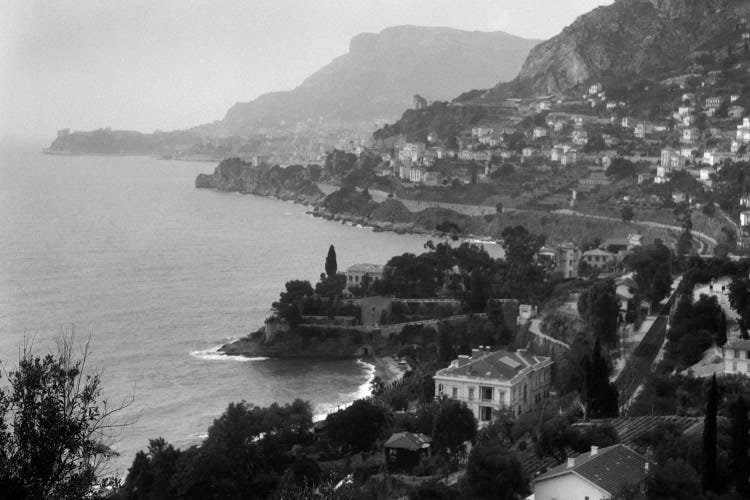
535 328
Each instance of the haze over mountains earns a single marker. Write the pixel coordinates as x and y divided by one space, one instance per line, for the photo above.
380 74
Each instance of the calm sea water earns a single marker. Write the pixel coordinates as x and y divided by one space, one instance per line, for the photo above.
159 274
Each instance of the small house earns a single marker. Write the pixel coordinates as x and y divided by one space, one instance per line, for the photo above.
404 450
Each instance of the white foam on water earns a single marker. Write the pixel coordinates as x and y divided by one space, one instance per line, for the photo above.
346 400
213 354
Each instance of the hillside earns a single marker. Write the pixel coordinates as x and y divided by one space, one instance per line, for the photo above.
382 72
624 41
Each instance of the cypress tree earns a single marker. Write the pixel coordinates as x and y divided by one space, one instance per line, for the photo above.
601 395
721 334
740 445
331 266
709 438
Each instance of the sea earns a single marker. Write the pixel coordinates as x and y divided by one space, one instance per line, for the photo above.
155 275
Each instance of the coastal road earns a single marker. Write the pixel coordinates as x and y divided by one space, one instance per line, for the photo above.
705 243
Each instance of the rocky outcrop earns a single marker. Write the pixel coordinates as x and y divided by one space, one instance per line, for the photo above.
290 183
309 342
627 40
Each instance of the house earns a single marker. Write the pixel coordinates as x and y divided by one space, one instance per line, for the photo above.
684 110
714 157
490 381
417 174
595 88
736 357
690 135
599 259
412 151
465 155
644 177
404 170
745 218
356 273
714 102
432 179
404 451
642 129
626 122
580 137
743 131
672 159
481 131
598 474
539 132
568 256
735 112
569 158
527 152
595 179
543 106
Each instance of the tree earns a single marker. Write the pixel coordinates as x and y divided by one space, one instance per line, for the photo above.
600 395
675 480
740 446
721 334
331 265
709 455
357 427
621 168
453 426
493 472
652 270
54 426
600 308
627 213
520 245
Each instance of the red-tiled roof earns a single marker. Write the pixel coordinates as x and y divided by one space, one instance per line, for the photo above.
610 468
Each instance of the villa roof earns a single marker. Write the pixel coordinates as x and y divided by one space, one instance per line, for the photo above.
738 344
608 468
499 365
365 268
408 441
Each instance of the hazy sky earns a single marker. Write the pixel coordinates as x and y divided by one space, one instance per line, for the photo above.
168 64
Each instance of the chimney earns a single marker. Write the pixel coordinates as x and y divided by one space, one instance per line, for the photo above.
594 450
571 463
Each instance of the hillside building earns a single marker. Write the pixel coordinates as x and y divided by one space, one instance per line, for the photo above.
492 381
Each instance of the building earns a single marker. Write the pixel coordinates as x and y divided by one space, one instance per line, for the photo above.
714 102
595 88
492 381
745 218
743 131
580 137
568 256
412 151
736 357
356 273
404 170
481 131
672 159
598 259
598 474
539 132
404 450
417 174
642 129
690 135
736 112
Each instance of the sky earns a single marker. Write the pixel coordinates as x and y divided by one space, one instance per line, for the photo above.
168 64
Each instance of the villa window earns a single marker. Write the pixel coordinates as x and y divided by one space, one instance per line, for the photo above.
455 392
734 366
440 388
485 413
471 393
486 393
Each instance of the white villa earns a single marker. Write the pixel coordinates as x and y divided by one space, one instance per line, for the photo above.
491 381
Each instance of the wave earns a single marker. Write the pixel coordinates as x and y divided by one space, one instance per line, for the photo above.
322 410
213 354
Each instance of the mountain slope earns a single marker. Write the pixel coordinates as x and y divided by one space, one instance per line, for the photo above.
624 41
379 75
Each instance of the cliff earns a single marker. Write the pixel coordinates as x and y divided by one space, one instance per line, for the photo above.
282 341
382 72
290 183
622 42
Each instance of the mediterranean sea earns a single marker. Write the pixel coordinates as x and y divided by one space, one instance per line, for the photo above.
125 251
